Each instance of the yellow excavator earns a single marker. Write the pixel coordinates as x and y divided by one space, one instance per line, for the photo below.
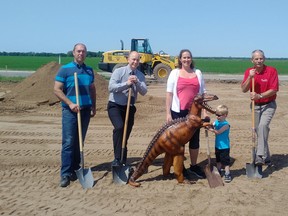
157 64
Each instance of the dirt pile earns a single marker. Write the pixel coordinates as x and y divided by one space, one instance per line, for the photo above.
38 88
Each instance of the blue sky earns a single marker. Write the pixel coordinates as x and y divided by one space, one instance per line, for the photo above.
208 28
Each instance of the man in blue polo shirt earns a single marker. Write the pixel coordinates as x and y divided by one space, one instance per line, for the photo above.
64 89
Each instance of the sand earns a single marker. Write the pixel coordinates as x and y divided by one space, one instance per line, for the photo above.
30 146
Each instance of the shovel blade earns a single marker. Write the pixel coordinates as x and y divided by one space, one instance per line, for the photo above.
85 177
213 176
253 171
121 174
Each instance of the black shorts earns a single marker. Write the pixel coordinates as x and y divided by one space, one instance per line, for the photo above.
194 141
223 156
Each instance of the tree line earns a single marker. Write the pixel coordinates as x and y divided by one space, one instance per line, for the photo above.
68 54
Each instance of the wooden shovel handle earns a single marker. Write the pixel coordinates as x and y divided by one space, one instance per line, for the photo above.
126 123
207 144
253 113
78 113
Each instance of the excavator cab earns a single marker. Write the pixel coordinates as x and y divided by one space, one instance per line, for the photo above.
141 46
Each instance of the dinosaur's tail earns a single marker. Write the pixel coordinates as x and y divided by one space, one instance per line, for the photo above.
151 153
155 148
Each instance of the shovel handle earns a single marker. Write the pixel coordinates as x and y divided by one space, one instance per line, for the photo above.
126 123
78 113
253 113
207 142
208 147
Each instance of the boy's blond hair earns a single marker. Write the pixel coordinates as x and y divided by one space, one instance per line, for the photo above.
222 110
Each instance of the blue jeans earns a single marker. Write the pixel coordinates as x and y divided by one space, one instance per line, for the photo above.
70 153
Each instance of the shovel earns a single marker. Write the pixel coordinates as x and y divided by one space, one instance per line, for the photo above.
84 175
253 171
121 173
211 172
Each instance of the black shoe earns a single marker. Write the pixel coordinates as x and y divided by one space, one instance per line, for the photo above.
268 163
221 172
227 178
196 170
65 181
115 162
185 172
73 176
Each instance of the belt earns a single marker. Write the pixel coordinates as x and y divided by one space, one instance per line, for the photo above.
263 103
123 106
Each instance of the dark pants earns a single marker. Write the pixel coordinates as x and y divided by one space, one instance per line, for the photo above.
117 115
194 141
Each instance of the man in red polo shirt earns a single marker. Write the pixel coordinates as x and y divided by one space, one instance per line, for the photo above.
264 96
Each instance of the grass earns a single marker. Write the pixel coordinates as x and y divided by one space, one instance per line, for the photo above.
211 65
11 79
237 66
32 63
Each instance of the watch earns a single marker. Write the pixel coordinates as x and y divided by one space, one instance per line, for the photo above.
261 96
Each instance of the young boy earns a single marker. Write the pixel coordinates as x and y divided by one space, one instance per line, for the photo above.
222 142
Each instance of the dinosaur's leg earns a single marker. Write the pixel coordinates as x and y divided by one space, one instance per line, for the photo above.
133 183
178 167
168 162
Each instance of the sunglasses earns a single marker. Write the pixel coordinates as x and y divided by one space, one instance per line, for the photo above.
218 115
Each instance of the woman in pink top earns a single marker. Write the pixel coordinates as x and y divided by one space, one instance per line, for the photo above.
183 84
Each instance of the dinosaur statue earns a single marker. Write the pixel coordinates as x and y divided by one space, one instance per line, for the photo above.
171 138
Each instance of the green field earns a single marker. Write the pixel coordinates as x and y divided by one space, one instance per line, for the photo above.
237 66
212 65
32 63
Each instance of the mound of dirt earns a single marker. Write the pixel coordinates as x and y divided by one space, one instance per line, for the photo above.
38 88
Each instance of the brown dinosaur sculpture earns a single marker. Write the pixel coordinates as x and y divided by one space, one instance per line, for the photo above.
171 138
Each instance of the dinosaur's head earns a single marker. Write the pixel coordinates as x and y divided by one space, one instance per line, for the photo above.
200 101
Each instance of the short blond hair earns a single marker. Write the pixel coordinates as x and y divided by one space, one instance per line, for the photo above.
222 110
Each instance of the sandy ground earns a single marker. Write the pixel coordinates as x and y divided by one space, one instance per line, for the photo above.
30 144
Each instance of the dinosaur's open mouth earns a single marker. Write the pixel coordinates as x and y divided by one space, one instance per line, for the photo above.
208 108
209 97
